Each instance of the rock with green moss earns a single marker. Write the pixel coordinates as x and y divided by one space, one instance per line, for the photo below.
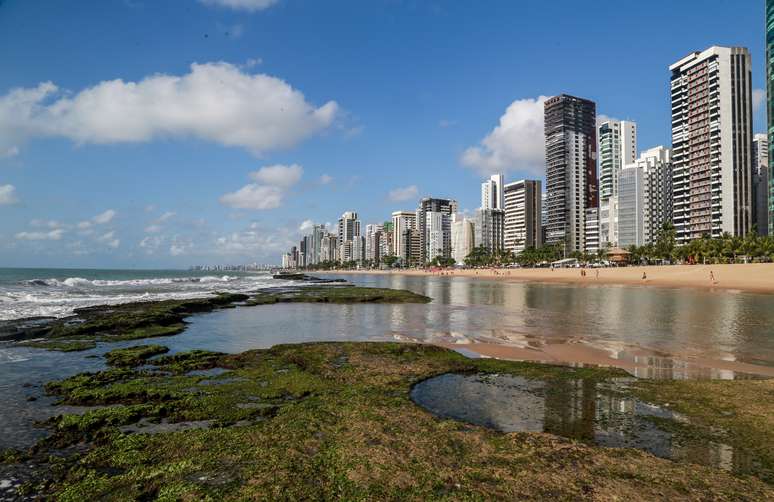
133 356
338 294
336 421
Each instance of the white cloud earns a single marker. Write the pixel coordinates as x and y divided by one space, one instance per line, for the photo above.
8 195
100 219
248 5
166 216
153 229
48 224
306 226
758 99
151 243
274 181
253 243
109 239
254 196
278 175
325 179
150 208
252 62
9 151
404 193
604 118
105 217
516 144
180 246
53 235
215 102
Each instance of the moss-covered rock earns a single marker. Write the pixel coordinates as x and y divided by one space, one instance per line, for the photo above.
133 356
335 421
338 294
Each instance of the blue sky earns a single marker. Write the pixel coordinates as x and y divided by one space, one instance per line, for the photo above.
137 133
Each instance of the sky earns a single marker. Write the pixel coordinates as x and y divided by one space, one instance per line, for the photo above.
165 134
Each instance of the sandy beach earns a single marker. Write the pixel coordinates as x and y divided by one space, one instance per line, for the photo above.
753 278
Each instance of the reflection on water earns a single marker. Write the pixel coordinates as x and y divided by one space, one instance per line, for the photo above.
576 409
652 332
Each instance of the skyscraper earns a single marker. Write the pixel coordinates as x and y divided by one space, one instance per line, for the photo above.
401 222
522 227
488 227
463 238
492 192
348 230
760 184
711 143
645 197
617 148
427 205
571 168
770 103
438 228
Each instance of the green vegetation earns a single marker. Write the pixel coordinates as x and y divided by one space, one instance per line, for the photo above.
133 356
334 421
338 294
61 345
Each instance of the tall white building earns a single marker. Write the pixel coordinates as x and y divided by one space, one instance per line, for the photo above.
617 148
492 192
438 228
711 142
523 225
463 238
373 242
760 179
645 197
401 222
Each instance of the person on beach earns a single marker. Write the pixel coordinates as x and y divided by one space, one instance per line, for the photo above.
597 273
712 278
644 276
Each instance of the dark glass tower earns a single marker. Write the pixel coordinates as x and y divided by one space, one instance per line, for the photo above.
571 169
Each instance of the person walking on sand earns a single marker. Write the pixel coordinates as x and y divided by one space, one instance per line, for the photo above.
712 278
597 273
644 276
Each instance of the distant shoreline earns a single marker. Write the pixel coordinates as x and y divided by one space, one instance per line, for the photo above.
748 278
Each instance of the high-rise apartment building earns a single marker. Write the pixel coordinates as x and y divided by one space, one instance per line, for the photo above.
433 205
711 143
463 238
492 192
770 104
617 148
401 222
760 184
591 231
645 197
438 228
488 225
571 168
523 227
373 243
348 231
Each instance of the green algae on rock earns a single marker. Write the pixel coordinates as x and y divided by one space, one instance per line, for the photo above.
133 356
335 421
338 294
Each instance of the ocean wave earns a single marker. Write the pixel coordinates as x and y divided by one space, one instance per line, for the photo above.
74 282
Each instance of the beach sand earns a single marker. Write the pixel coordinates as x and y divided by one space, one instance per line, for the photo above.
753 278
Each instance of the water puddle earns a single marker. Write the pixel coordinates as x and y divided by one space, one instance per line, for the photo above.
575 409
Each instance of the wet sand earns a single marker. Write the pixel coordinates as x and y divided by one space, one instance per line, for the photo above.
752 278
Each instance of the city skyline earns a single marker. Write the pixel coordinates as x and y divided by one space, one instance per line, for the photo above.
69 188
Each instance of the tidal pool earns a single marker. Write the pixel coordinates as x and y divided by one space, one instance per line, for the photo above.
600 414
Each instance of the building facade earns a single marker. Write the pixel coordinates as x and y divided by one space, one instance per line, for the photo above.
401 222
711 95
571 169
489 229
770 104
492 196
617 148
463 239
433 205
761 184
645 197
523 225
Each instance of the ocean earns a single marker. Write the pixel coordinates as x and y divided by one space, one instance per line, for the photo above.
54 292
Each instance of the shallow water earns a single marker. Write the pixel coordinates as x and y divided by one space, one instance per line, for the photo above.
574 409
661 333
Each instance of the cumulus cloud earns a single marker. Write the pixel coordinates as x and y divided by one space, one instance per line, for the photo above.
758 98
404 193
8 195
306 226
216 102
273 183
100 219
325 179
53 235
248 5
278 175
516 144
109 239
151 243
